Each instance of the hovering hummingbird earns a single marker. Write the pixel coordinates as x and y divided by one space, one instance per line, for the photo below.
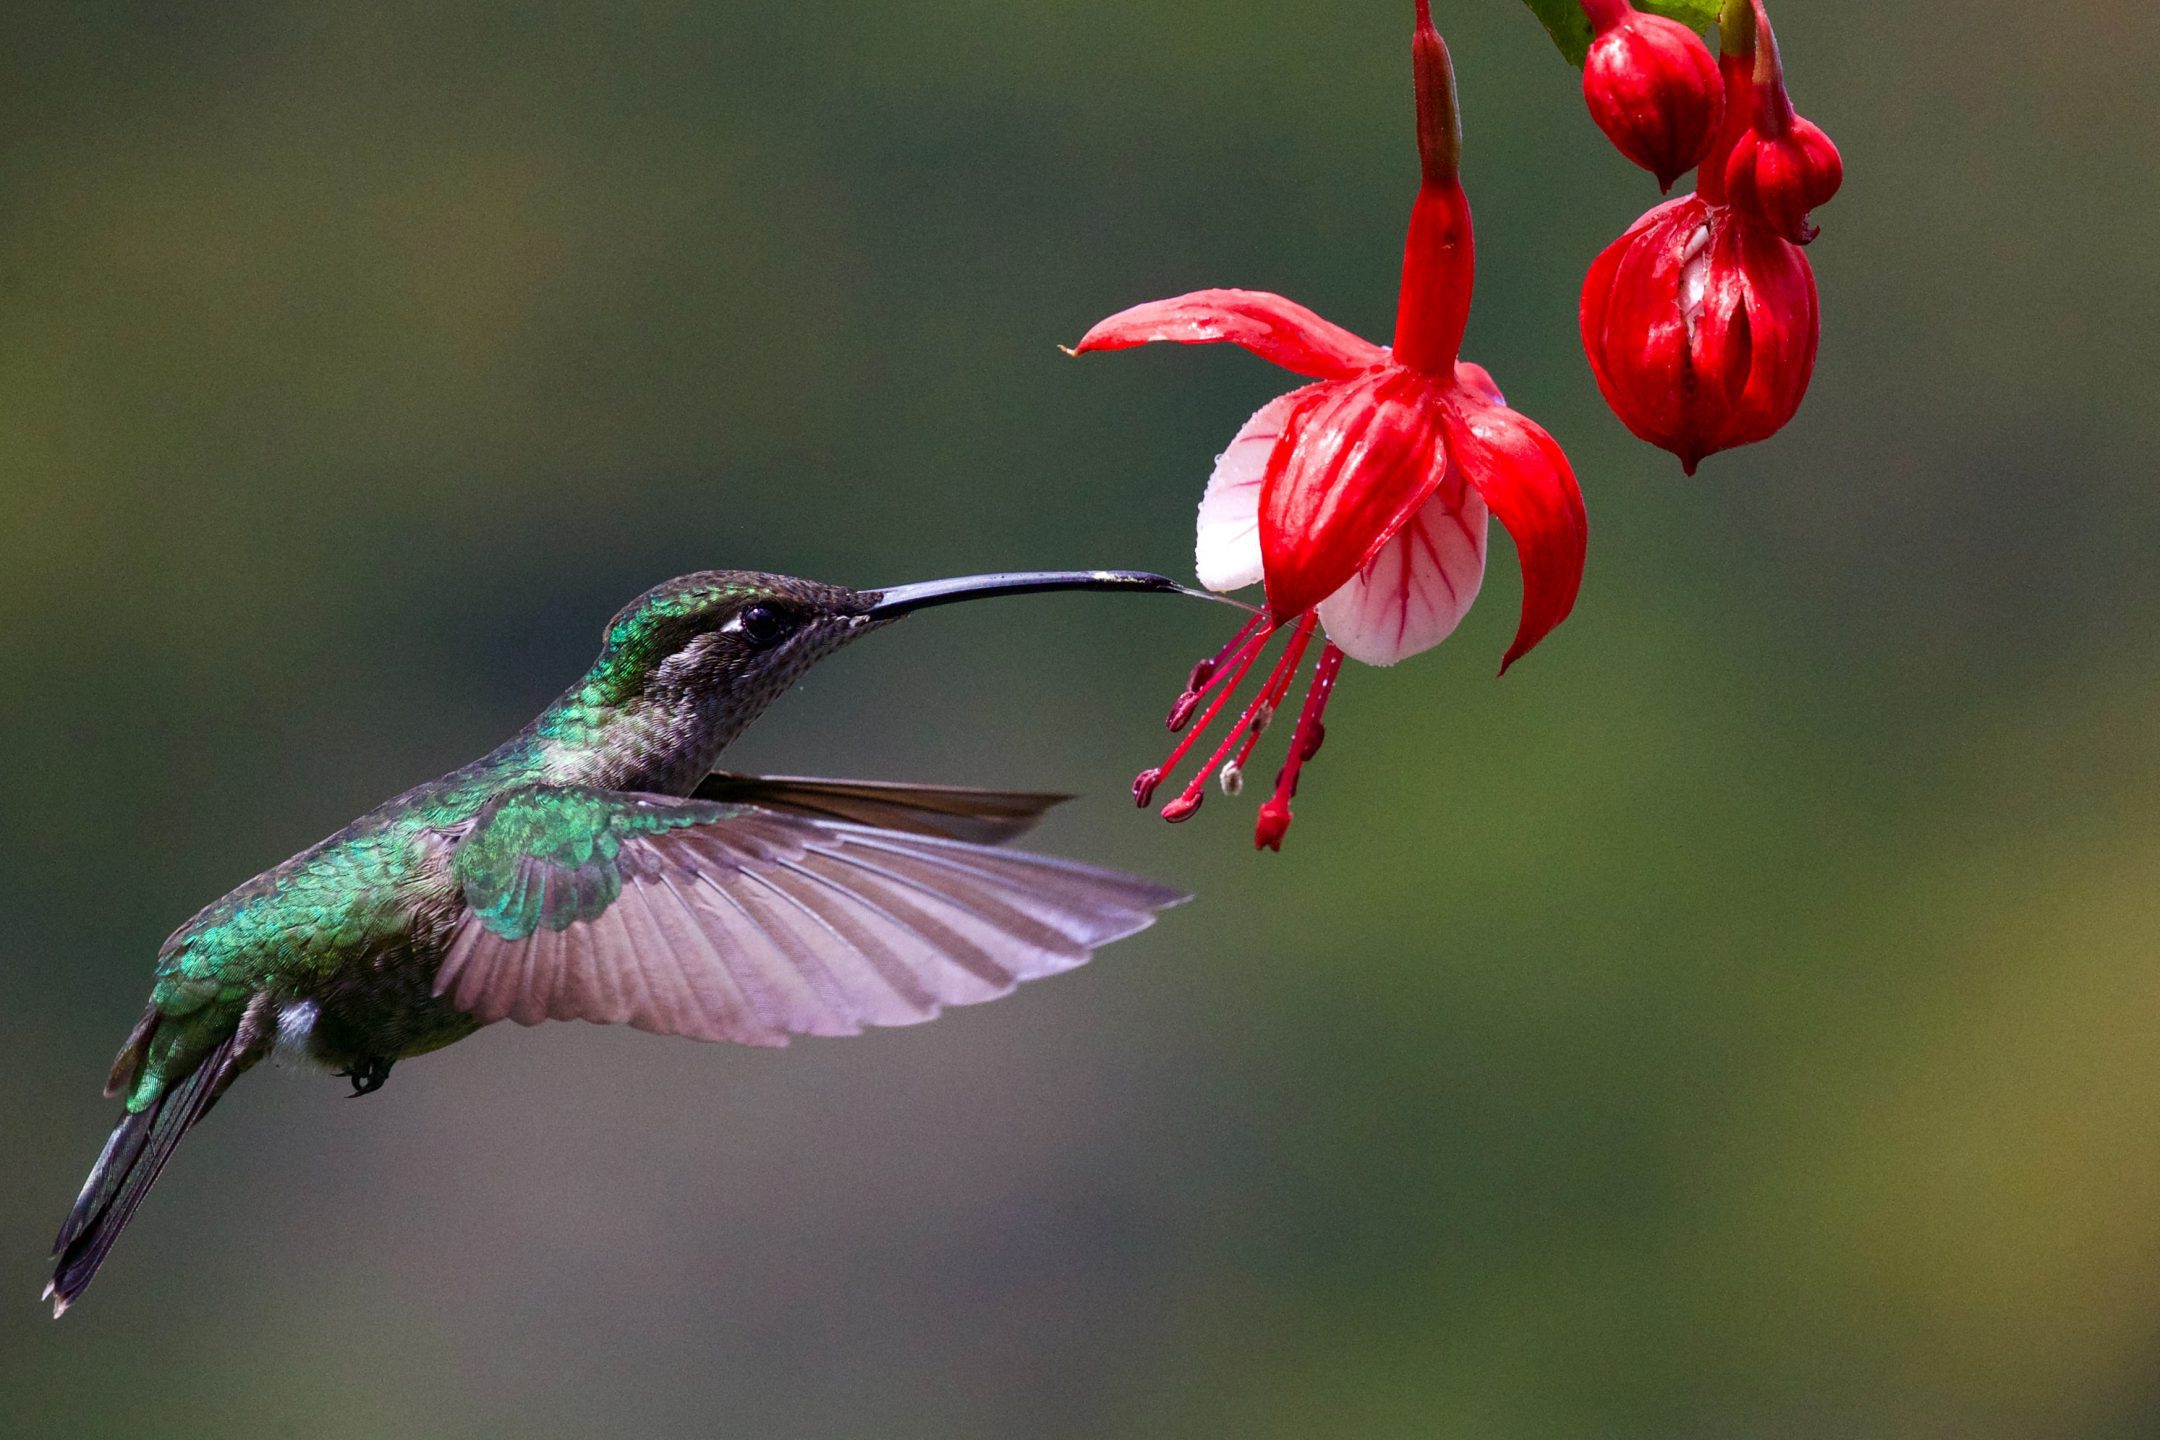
597 867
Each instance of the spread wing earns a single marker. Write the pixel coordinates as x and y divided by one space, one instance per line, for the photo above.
985 817
734 922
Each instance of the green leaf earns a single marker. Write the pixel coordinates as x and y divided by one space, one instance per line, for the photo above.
1563 20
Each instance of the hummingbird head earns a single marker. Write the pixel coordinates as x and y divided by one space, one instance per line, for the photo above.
693 661
726 632
754 633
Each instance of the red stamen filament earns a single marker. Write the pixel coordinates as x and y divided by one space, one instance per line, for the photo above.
1209 673
1223 676
1304 744
1195 790
1271 695
1251 645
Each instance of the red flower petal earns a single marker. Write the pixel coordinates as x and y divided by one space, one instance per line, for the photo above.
1526 481
1356 460
1275 329
1413 594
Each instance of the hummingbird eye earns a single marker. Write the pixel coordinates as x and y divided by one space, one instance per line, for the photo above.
761 625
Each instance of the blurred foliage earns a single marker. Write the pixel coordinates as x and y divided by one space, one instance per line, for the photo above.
1742 1020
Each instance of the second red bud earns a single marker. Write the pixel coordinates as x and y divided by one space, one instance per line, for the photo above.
1652 87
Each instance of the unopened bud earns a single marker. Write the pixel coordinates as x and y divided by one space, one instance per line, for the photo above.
1775 180
1653 87
1701 328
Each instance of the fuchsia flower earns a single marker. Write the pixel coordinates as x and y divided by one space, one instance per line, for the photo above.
1652 87
1361 500
1701 322
1784 166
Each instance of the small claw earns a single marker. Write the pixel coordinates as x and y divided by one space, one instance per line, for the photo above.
368 1077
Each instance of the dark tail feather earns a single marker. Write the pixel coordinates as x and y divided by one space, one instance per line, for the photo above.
140 1145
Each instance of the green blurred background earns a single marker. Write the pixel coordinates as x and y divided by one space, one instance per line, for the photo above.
1743 1020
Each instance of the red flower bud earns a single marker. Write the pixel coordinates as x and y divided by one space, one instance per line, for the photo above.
1701 328
1652 87
1777 179
1783 166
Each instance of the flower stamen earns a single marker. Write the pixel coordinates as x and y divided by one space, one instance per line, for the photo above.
1207 673
1249 645
1278 685
1247 729
1274 820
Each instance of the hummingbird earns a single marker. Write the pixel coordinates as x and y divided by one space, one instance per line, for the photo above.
598 866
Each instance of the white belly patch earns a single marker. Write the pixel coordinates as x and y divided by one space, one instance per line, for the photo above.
295 1023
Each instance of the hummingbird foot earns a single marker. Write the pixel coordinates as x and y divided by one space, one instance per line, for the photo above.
368 1076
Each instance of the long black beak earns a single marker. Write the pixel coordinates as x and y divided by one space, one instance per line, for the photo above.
900 599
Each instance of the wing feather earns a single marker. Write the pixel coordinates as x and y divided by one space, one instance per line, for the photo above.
982 817
950 947
896 953
880 986
778 993
746 924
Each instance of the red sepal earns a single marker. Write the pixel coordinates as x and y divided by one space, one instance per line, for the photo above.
1355 462
1275 329
1527 483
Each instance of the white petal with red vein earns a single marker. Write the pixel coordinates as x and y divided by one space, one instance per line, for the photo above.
1226 554
1420 585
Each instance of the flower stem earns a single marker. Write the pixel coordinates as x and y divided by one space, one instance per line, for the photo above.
1773 107
1440 253
1439 118
1736 28
1604 14
1736 62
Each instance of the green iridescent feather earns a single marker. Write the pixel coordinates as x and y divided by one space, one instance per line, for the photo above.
547 858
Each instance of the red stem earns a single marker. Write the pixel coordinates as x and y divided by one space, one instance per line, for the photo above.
1773 106
1440 254
1439 121
1604 14
1738 69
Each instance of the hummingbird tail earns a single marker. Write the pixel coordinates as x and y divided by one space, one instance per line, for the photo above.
139 1147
